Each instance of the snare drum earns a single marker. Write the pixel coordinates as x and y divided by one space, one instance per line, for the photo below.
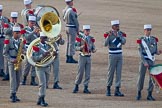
156 73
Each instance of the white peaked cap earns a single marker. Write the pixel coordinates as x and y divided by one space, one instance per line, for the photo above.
114 22
68 0
147 26
16 28
14 14
86 27
32 18
26 2
1 7
42 34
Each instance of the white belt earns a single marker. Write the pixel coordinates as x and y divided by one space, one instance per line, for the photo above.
115 51
148 57
86 54
68 25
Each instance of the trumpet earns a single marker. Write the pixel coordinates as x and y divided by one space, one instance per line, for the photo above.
85 50
37 29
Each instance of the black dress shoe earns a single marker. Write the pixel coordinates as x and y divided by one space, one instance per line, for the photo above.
13 97
39 100
33 83
6 78
86 90
43 103
108 92
56 86
2 74
71 60
16 98
138 97
76 89
150 98
118 93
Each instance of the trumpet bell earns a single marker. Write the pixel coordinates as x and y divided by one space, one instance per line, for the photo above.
40 10
50 24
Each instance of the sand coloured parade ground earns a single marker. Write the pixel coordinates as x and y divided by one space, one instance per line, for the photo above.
133 14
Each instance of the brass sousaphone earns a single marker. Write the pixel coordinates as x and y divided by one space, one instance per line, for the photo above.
50 25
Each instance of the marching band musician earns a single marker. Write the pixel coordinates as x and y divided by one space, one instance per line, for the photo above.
41 51
32 32
3 20
56 63
72 29
84 44
8 34
114 39
11 49
147 50
8 26
28 6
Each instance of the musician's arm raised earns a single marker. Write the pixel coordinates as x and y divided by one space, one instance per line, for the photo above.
8 30
29 35
158 52
123 40
78 45
106 43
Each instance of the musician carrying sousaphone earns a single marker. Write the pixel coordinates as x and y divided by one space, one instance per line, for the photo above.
147 50
41 51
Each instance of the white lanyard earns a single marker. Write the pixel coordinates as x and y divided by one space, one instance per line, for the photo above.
66 12
43 49
147 51
16 43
